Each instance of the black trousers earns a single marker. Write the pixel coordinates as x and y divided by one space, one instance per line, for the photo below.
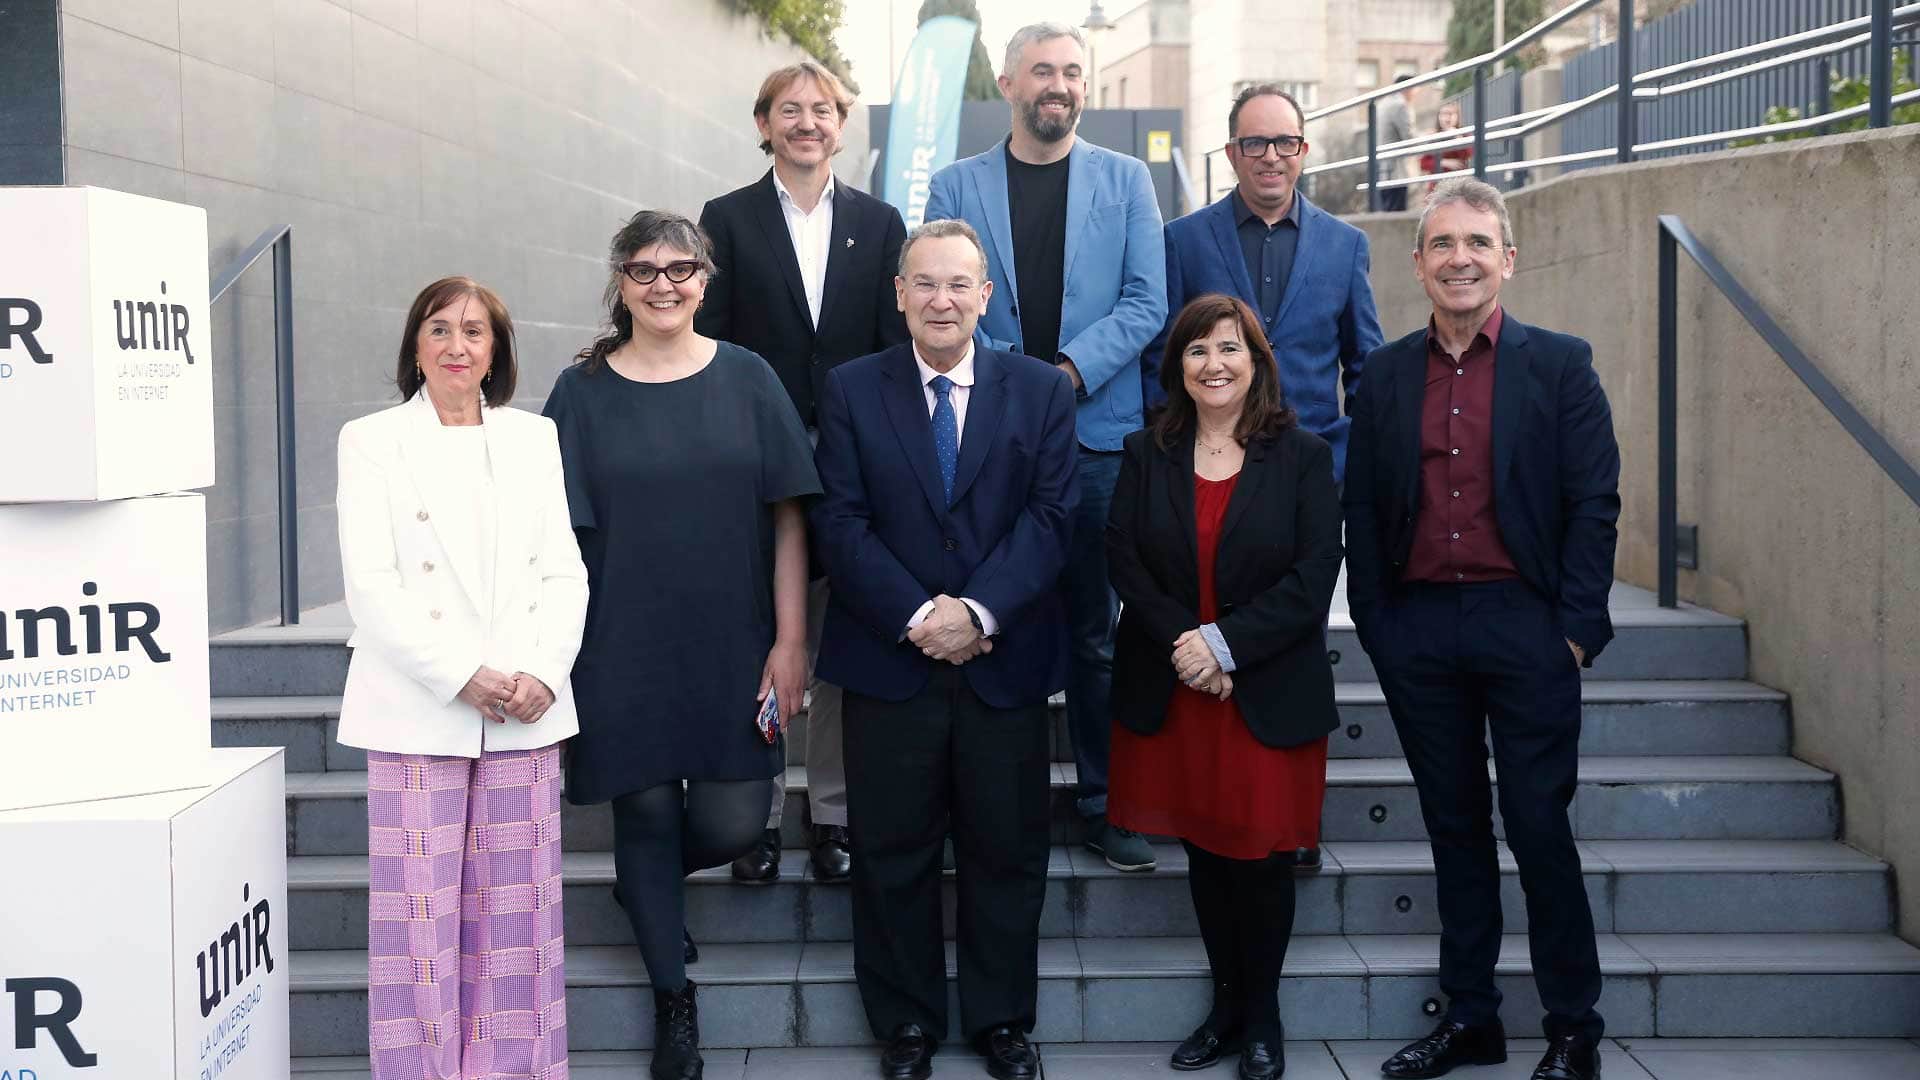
1393 198
945 758
1456 661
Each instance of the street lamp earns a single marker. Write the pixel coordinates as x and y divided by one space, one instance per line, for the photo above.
1096 21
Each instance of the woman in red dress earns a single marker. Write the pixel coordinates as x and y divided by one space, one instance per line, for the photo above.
1224 544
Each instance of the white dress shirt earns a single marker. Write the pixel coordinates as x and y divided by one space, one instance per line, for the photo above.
962 378
812 235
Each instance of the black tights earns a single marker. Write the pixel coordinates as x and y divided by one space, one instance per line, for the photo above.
1246 919
662 834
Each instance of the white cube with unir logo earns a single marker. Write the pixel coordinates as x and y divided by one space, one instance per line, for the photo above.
106 382
103 649
145 938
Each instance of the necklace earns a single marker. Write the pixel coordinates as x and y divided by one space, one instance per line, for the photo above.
1216 451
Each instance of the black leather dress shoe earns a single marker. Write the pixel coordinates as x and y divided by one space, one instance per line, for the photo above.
1306 860
909 1055
1446 1047
832 853
1204 1047
1009 1055
1569 1057
762 864
689 952
1262 1059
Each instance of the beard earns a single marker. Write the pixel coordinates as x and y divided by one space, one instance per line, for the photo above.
1048 128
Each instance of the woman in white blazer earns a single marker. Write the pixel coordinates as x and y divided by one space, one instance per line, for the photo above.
468 598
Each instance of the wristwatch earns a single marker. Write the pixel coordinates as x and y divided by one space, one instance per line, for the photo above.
975 616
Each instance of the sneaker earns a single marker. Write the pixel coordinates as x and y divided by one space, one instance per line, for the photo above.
1124 849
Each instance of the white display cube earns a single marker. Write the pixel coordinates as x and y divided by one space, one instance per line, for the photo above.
103 649
106 364
146 938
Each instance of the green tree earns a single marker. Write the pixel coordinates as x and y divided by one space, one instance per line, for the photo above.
809 24
1846 93
1470 33
980 82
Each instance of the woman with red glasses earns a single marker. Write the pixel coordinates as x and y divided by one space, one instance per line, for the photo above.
685 469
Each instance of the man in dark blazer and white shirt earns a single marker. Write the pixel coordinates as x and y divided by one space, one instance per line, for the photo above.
949 478
806 280
1481 499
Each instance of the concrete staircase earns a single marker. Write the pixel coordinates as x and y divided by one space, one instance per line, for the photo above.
1726 905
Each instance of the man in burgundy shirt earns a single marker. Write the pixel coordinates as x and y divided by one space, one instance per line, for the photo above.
1482 491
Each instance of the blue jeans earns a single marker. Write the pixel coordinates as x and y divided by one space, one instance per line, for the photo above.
1092 610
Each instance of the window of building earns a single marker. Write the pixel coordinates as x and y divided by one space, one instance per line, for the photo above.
1306 93
1123 91
1367 74
1405 67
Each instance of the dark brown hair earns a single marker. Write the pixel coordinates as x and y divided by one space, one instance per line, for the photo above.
1262 90
779 80
497 387
1265 413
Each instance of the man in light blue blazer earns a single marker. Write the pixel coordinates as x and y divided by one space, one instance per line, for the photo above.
1075 248
1301 269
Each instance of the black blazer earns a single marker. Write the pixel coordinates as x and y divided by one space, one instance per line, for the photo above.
757 300
1273 572
1556 482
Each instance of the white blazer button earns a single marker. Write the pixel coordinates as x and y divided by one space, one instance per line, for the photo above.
531 607
427 566
531 559
421 516
434 614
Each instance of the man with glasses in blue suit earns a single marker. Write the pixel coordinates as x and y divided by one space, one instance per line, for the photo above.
1073 238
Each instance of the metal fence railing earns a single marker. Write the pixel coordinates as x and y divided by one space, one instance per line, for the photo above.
1612 114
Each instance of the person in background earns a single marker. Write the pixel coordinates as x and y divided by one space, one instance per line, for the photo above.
686 469
1396 125
468 596
804 278
949 475
1224 543
1482 499
1458 158
1074 246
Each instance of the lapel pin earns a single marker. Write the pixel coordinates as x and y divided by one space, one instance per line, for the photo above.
849 241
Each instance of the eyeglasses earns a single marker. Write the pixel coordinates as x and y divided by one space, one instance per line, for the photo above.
955 290
1255 146
643 273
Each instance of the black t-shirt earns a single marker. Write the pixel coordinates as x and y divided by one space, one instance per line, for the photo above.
1037 208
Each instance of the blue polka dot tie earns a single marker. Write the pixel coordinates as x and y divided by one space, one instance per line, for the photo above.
946 432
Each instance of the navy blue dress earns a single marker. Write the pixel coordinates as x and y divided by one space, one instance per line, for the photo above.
672 487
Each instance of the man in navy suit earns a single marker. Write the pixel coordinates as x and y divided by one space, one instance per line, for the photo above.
1302 270
949 479
1481 499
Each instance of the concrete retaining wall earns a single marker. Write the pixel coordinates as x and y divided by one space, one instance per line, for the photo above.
404 140
1800 533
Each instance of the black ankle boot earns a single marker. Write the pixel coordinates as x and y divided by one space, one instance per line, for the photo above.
676 1035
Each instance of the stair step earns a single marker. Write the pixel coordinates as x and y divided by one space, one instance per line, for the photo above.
1675 717
1102 990
1619 798
1650 642
1633 886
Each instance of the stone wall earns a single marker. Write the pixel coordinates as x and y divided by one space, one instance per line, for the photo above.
1800 532
403 140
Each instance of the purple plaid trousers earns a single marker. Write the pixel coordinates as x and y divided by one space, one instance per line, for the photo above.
464 976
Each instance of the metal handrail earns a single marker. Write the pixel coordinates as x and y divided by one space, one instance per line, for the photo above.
278 240
1628 90
1674 238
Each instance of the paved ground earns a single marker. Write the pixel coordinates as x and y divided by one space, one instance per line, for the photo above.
1624 1059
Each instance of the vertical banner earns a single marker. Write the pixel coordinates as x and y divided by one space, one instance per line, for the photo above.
924 127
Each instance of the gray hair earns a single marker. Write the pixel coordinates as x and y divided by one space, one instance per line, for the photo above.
1478 194
934 230
1038 32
